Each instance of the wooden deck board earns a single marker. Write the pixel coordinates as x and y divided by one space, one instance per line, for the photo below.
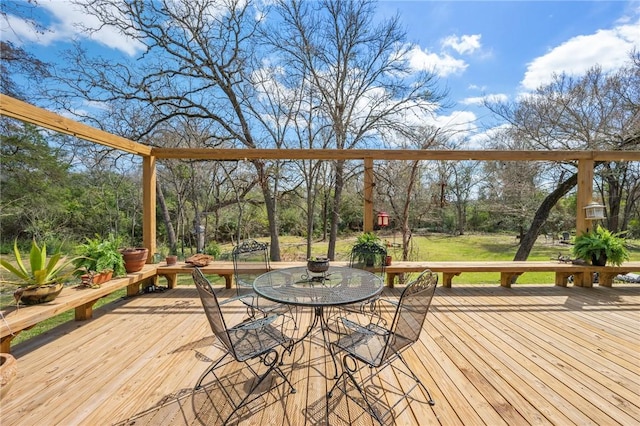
523 355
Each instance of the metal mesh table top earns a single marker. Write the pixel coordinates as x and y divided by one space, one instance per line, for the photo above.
338 286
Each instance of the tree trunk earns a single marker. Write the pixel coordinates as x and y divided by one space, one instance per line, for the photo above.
335 210
406 229
541 216
615 177
166 218
270 204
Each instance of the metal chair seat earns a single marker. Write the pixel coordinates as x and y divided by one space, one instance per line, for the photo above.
368 343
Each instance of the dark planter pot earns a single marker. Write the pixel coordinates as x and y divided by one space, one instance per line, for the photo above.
135 259
36 295
599 260
171 259
318 266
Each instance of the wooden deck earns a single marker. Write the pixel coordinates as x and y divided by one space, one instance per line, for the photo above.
489 355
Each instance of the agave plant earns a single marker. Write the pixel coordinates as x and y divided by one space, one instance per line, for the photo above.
42 271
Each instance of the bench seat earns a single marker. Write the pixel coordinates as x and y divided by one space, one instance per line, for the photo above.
223 269
510 270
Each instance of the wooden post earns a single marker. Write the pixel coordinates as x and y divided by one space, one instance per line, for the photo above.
584 195
368 195
149 204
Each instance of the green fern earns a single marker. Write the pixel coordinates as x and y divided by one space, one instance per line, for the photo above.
601 241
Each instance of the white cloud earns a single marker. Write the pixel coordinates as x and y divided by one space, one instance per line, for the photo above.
476 87
479 100
607 48
483 139
465 44
443 65
65 20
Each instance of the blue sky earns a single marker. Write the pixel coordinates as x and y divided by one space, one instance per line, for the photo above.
478 48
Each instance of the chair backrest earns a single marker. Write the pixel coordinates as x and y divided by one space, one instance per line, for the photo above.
249 251
212 309
411 312
373 260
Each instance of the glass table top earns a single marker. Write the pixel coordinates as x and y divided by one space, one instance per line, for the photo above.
340 285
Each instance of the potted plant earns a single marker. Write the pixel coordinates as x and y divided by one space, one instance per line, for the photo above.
318 264
43 280
134 258
600 246
99 260
367 249
171 259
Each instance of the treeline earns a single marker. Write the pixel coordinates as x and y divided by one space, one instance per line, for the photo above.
328 74
51 191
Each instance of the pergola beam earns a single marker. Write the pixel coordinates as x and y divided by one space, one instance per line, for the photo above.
224 154
14 108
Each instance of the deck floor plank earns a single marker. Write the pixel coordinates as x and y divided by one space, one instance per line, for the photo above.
577 385
489 355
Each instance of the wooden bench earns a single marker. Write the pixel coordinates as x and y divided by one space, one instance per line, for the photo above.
223 269
511 270
14 320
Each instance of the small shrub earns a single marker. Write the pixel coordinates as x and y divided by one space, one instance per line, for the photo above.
212 249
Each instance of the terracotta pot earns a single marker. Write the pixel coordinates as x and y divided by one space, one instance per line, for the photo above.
38 294
171 259
96 279
135 259
8 373
387 260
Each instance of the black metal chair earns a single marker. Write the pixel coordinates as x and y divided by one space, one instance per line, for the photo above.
243 342
373 261
378 347
250 259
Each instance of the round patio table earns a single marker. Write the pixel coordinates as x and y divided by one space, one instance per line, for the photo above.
339 285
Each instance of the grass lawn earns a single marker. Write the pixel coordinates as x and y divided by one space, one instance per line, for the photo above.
437 247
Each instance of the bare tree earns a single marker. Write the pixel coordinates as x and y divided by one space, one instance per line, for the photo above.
463 178
399 181
196 64
593 112
359 70
15 60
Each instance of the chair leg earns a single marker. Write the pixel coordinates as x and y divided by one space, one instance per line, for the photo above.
213 366
273 366
418 381
349 371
